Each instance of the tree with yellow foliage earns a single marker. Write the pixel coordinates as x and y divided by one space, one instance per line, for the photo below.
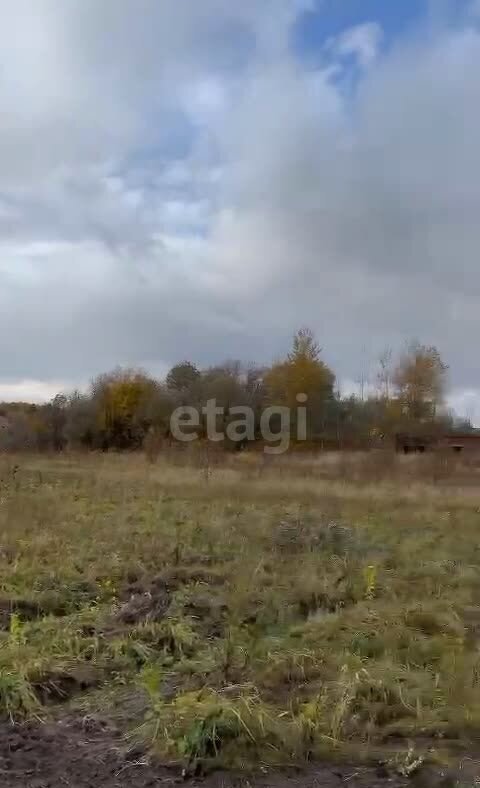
303 372
122 401
420 381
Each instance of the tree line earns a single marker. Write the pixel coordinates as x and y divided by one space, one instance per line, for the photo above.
128 409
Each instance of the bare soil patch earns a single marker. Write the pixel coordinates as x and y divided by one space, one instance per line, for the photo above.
82 754
87 753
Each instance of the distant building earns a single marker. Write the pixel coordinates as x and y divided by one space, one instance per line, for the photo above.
468 442
418 444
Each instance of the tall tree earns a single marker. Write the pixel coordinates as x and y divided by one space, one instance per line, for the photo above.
385 374
56 419
303 372
121 399
420 381
183 377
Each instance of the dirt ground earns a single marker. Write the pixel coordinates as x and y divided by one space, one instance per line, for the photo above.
87 754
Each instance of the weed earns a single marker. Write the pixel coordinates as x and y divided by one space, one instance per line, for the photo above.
17 629
17 698
370 581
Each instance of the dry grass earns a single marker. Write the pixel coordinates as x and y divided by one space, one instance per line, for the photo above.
242 610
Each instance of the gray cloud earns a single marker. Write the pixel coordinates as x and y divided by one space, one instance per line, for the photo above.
174 182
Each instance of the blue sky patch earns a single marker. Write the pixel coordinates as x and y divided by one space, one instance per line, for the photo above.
331 18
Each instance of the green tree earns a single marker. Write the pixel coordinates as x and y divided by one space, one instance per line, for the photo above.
183 378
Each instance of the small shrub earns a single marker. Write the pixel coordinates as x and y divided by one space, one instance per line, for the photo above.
17 698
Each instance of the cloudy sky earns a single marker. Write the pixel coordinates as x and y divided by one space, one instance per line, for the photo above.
197 179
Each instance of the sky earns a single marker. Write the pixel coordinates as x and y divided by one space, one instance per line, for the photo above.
197 180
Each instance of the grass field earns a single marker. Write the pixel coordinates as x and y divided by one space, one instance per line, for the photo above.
239 612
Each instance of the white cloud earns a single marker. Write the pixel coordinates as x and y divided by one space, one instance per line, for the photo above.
466 404
205 98
37 391
361 41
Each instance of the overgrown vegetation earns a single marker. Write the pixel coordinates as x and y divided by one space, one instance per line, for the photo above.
260 614
128 409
